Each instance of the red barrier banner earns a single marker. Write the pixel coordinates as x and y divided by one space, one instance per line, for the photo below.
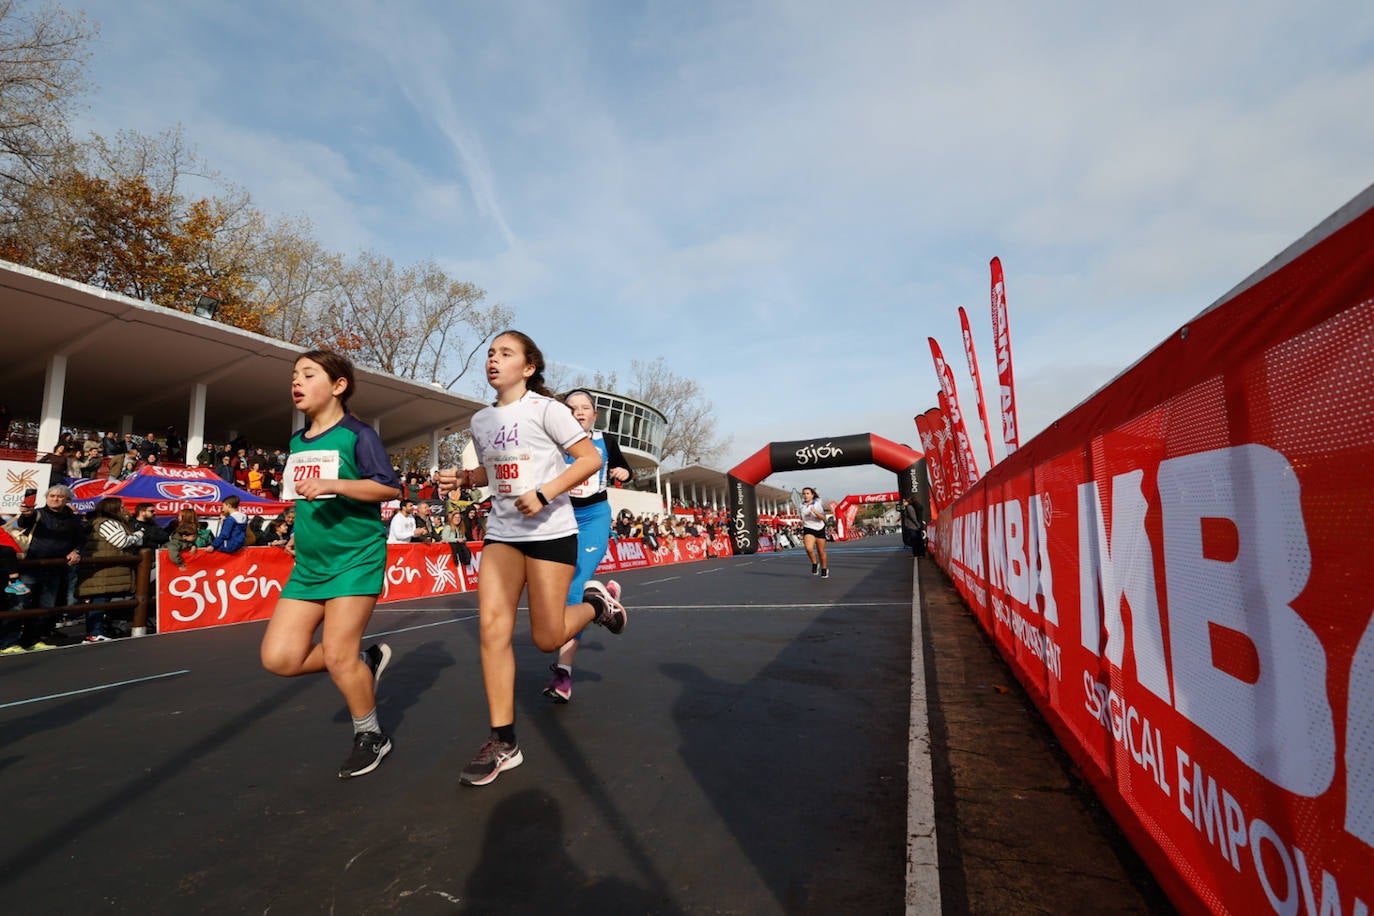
1179 573
221 588
626 553
424 571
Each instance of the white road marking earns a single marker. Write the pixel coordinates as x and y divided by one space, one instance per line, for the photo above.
72 693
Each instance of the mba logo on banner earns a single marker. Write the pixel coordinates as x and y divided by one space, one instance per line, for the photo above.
1179 573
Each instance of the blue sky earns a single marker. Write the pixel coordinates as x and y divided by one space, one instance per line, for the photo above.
783 199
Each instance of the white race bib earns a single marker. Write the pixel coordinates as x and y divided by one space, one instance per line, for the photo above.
510 473
321 464
587 487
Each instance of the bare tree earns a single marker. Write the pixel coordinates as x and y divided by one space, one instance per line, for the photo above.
415 322
296 279
42 70
560 378
691 437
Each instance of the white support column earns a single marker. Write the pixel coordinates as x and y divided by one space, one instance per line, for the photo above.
54 386
195 422
126 423
434 438
668 501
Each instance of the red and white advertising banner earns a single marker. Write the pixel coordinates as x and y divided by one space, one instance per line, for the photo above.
950 453
972 357
1001 341
217 588
930 427
18 476
221 588
1180 573
956 417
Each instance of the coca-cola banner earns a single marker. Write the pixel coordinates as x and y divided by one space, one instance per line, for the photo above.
1179 571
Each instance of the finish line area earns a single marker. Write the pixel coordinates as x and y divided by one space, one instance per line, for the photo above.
741 747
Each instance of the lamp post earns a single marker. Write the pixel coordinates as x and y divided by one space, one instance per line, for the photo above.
205 306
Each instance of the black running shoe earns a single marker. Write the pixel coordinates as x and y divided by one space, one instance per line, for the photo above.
492 759
377 657
825 573
611 613
815 569
368 750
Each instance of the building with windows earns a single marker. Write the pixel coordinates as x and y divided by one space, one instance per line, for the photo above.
638 428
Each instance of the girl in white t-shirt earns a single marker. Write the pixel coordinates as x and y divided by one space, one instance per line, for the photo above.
813 532
531 537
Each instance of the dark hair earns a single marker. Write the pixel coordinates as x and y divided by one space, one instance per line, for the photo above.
533 357
141 506
232 501
109 507
572 391
336 367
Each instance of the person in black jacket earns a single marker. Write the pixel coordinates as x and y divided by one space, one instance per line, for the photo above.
112 445
914 527
55 531
145 520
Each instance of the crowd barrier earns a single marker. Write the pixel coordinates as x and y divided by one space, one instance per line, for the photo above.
217 588
1179 573
138 603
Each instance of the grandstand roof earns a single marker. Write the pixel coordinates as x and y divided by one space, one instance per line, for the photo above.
125 357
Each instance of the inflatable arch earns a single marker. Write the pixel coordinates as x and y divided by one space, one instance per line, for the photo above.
806 455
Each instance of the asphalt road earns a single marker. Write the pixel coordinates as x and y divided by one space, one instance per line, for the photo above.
741 748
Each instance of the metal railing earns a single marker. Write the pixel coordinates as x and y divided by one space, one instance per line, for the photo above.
140 603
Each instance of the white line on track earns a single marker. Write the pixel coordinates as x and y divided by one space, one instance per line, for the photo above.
656 581
421 626
755 607
72 693
922 845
